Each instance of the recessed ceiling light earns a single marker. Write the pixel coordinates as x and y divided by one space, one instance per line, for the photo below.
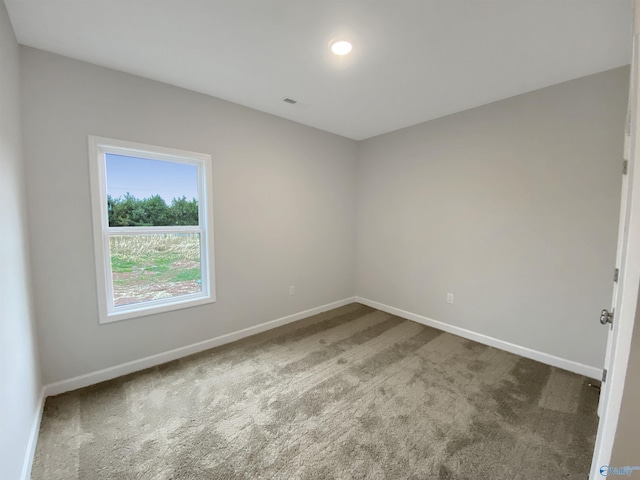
340 47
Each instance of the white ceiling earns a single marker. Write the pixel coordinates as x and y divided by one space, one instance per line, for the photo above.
412 60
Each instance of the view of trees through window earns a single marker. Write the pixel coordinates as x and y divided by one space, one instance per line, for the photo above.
154 229
129 211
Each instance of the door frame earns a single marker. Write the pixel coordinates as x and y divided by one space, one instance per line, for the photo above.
629 281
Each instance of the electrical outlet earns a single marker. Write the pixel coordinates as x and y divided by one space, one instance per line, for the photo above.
292 290
449 297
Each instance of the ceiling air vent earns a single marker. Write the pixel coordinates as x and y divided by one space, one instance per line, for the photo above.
289 100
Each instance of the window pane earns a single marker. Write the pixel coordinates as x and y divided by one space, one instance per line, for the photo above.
154 266
143 192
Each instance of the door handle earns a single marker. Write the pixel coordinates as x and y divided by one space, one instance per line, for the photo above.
606 316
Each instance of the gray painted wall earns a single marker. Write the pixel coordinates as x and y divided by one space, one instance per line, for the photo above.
19 366
284 208
512 206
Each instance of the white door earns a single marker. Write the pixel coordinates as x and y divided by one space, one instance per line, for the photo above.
608 317
625 290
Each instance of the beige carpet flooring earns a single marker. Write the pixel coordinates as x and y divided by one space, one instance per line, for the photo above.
350 393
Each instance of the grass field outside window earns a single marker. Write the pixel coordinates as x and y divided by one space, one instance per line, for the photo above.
149 267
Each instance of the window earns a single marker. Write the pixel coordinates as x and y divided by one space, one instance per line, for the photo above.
153 228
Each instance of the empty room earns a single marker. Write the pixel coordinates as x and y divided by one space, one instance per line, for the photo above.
319 240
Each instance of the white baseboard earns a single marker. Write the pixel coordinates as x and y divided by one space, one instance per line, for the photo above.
575 367
33 439
160 358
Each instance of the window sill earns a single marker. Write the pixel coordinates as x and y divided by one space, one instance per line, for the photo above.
144 310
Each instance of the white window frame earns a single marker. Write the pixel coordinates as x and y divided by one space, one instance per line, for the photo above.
108 312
